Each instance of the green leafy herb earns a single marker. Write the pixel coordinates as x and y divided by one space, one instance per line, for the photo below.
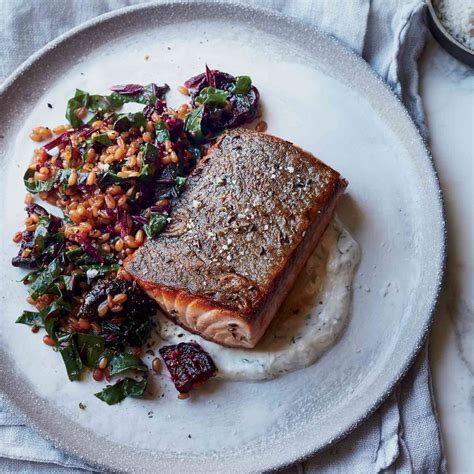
122 362
72 360
192 124
242 85
90 347
46 278
31 318
37 186
213 97
121 390
155 225
162 133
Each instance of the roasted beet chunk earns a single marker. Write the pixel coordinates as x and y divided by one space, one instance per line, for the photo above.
188 364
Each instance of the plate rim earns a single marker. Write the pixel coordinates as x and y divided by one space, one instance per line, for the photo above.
235 7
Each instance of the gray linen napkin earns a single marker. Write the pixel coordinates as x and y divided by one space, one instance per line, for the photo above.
401 436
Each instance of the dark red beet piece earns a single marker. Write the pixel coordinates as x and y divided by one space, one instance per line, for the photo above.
187 364
128 89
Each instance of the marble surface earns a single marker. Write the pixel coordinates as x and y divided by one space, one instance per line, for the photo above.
447 88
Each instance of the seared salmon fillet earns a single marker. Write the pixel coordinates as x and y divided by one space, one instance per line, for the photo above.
250 215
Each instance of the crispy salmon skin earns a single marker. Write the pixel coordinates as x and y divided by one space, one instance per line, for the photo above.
250 215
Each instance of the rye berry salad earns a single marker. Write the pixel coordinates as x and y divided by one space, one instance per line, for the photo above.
113 176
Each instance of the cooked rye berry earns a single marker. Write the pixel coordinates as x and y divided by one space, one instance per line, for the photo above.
188 364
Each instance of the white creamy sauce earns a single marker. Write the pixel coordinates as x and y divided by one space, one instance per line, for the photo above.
310 320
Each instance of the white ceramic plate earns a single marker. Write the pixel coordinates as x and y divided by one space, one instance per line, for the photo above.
323 98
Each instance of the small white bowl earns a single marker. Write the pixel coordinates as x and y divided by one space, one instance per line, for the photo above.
446 40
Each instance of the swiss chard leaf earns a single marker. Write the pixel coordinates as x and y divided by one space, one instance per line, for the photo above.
132 332
62 179
103 139
46 278
70 354
103 103
80 99
213 97
86 261
31 318
71 281
66 220
155 225
139 94
122 362
96 270
60 304
73 256
93 103
126 121
37 186
41 232
50 315
162 132
242 85
180 182
51 324
146 170
138 120
90 347
192 124
149 153
196 151
121 390
30 277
